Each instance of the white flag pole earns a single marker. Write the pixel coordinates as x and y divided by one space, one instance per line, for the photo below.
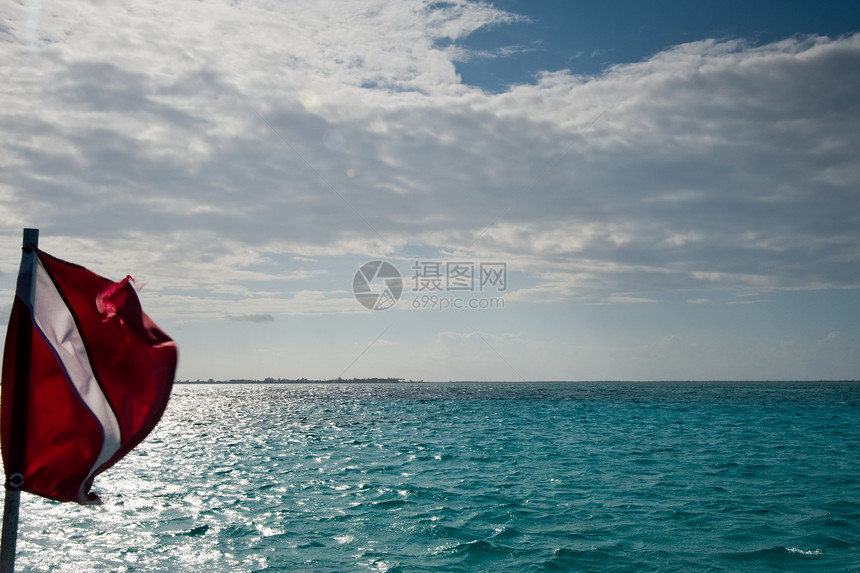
12 501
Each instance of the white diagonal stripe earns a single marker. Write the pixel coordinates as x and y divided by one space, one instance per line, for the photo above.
54 320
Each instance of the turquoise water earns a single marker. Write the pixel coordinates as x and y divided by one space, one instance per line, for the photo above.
481 477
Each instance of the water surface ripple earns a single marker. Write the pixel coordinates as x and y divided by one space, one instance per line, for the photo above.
473 477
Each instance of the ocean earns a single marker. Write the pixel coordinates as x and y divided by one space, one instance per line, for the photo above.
474 477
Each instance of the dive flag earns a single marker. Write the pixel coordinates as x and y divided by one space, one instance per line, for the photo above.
86 376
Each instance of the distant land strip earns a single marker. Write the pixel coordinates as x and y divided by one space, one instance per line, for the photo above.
410 381
303 381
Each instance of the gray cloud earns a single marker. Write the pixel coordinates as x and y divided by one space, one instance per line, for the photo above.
258 318
711 165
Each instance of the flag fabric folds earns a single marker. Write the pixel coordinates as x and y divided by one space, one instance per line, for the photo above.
86 376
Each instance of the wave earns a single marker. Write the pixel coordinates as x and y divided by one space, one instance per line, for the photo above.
778 554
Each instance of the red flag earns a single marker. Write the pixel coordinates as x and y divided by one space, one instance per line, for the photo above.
86 376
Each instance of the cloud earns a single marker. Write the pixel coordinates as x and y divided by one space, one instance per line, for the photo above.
831 338
235 152
258 318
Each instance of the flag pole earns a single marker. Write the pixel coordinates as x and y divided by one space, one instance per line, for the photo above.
12 501
10 530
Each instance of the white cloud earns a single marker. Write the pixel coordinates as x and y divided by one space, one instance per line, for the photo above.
215 143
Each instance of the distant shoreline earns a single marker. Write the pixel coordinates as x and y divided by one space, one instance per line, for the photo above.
287 381
305 381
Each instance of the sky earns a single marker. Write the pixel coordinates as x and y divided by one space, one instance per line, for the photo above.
515 190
